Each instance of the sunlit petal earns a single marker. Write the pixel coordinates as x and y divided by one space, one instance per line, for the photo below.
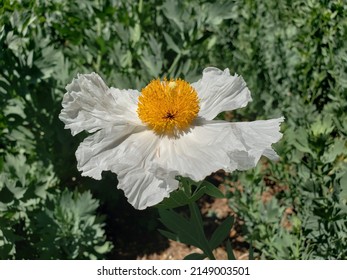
219 91
90 105
101 151
257 138
143 189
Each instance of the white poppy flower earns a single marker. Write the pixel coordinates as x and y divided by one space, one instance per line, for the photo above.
167 129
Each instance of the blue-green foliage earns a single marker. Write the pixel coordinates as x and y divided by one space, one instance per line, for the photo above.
292 54
38 221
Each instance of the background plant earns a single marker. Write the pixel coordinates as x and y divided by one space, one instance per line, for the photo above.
293 56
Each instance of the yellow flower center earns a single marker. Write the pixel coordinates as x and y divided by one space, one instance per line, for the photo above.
168 107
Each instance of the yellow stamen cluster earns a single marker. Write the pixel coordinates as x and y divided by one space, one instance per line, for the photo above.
168 106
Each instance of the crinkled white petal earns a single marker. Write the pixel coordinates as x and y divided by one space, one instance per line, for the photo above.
143 189
214 145
197 153
101 150
147 164
125 107
257 138
219 91
128 151
140 184
90 105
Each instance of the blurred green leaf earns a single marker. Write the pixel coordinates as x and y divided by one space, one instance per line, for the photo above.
195 256
230 252
212 190
221 232
171 44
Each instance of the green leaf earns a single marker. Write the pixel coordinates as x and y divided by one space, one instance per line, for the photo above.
334 150
196 218
322 126
197 224
230 252
189 232
17 192
217 12
183 228
221 232
343 184
212 190
104 248
169 235
151 62
195 256
299 139
251 251
170 42
183 196
177 198
197 194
